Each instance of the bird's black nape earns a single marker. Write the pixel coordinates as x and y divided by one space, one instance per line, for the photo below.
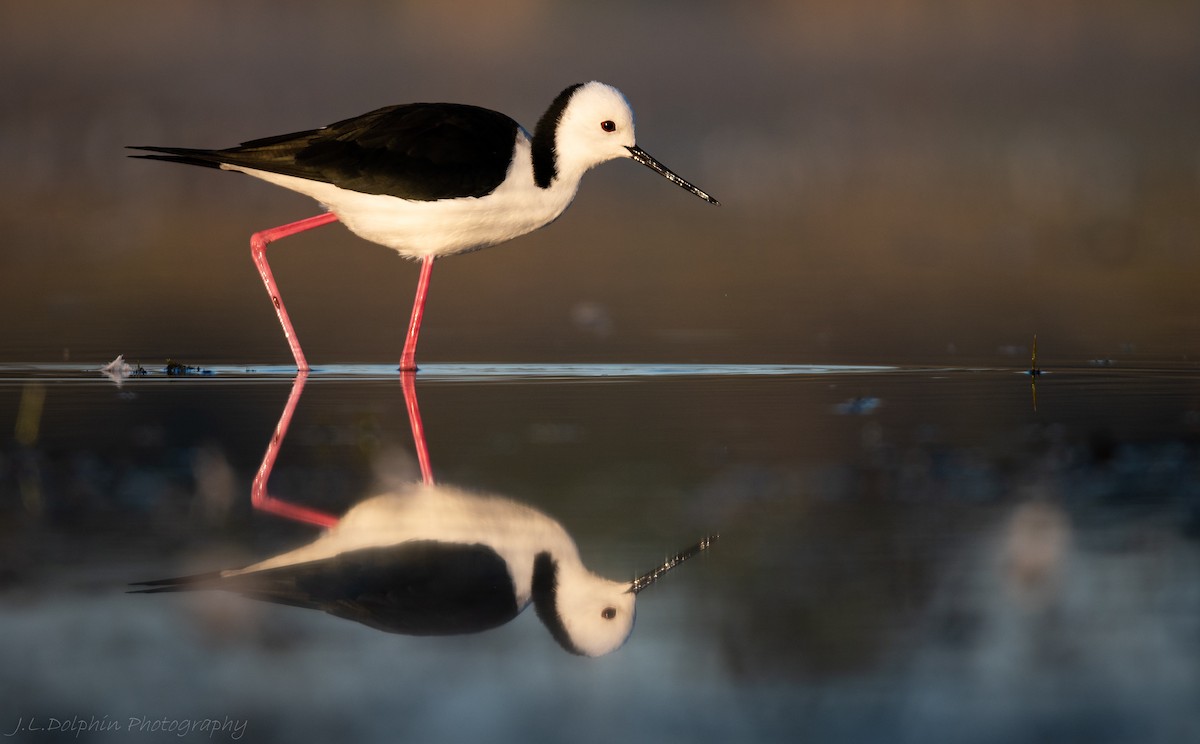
545 166
545 601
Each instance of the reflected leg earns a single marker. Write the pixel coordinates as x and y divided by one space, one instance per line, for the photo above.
259 497
408 383
408 360
258 251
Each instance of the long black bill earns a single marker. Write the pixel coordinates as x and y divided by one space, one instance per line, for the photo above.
646 580
645 159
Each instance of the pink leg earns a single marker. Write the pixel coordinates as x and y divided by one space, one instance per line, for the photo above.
259 497
258 250
408 384
408 360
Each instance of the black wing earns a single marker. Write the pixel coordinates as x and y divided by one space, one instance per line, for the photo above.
420 151
421 587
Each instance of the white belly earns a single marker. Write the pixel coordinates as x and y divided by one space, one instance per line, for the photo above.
416 229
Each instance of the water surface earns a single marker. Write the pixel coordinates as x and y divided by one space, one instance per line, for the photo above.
906 553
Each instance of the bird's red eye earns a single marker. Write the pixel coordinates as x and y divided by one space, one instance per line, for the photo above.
608 125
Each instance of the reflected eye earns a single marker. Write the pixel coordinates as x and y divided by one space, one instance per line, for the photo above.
608 125
609 613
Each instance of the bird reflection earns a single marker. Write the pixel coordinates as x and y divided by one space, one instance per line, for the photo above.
431 559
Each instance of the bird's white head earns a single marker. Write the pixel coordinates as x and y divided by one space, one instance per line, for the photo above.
597 124
588 614
596 614
586 125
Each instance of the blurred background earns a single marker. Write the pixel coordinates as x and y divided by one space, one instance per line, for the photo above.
909 554
901 181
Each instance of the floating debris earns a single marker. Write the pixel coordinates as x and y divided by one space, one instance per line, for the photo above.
1033 365
117 368
177 369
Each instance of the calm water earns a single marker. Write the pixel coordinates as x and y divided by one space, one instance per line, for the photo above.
906 554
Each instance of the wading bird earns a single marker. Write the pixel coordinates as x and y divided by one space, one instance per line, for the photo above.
434 179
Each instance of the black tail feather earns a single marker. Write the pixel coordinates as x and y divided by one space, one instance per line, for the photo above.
185 155
209 580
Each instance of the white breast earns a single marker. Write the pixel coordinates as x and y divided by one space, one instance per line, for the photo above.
417 229
424 512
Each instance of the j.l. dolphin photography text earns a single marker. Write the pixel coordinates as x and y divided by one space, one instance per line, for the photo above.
28 727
